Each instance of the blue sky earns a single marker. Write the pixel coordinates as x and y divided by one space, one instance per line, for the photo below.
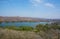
31 8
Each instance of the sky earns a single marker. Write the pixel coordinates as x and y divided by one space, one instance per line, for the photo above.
31 8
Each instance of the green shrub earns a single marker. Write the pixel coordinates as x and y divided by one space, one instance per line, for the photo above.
26 28
55 26
39 27
23 28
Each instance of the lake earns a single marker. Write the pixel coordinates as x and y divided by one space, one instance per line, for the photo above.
22 23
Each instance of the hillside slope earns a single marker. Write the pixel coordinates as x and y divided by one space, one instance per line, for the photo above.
12 34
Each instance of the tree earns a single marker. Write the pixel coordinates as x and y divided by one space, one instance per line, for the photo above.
46 27
39 27
55 26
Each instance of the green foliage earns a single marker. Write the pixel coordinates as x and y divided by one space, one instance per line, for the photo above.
46 27
36 30
10 27
39 27
55 26
23 28
27 28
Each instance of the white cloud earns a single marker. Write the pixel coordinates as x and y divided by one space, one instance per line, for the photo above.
49 5
35 2
38 2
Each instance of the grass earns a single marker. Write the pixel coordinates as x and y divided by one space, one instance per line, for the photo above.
12 34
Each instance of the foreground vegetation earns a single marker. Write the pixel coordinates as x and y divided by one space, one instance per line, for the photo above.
47 31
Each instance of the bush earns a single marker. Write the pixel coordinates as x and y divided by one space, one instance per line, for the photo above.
23 28
55 26
39 27
26 28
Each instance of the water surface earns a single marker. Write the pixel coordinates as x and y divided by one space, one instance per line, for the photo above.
22 23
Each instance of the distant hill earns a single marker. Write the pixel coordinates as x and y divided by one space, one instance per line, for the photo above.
27 19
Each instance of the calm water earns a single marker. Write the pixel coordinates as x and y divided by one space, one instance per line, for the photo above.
22 23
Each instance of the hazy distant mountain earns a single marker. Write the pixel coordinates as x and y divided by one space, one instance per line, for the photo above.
26 19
